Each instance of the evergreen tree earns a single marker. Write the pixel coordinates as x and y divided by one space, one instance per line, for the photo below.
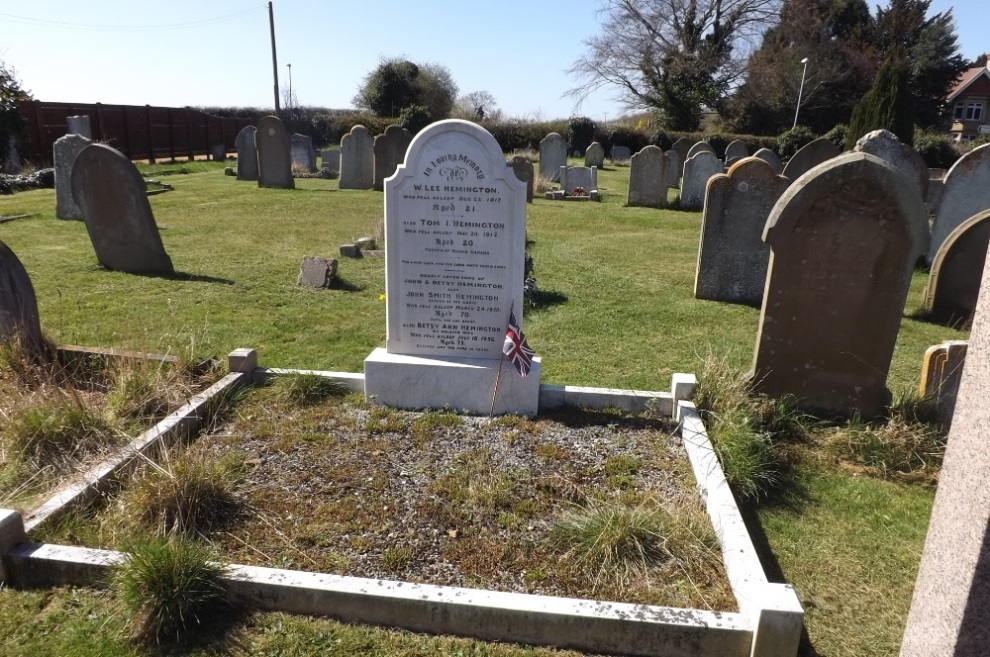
888 105
11 120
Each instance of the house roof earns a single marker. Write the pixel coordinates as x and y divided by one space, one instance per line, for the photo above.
968 78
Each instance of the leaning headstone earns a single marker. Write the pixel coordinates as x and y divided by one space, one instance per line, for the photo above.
700 147
954 282
732 256
841 240
317 272
111 193
770 158
19 323
64 153
303 155
621 153
390 150
455 224
523 169
697 171
218 152
357 159
648 179
682 146
951 601
966 192
247 153
595 155
673 168
885 145
941 372
79 125
553 155
737 148
330 159
274 157
809 156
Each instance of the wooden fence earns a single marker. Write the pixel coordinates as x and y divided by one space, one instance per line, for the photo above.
141 132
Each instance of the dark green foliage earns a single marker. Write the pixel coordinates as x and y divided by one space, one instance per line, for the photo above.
11 96
580 134
718 142
790 142
935 149
661 140
621 135
886 106
837 135
398 83
414 118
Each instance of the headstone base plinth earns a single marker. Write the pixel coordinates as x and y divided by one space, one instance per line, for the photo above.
461 384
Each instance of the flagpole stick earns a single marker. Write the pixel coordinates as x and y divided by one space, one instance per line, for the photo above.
498 374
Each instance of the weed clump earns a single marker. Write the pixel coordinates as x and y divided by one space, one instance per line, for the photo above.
309 389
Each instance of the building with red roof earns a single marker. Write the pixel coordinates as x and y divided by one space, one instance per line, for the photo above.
969 102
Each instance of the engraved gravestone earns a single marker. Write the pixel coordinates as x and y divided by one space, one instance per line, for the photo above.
64 152
330 159
595 155
954 282
585 178
357 159
523 169
218 152
737 149
809 156
648 179
19 323
621 153
965 192
111 194
732 256
274 157
700 147
841 241
455 224
247 153
303 155
885 145
697 171
673 168
79 125
390 150
553 155
682 146
770 158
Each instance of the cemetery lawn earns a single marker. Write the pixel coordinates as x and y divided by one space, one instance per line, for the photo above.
615 309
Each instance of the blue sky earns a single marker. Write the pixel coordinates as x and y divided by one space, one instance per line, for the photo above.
74 51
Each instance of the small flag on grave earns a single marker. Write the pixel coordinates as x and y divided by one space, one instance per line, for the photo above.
516 348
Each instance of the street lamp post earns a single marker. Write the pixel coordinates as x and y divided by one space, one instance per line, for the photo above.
796 109
288 101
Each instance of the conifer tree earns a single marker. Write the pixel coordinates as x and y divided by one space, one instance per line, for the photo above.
886 106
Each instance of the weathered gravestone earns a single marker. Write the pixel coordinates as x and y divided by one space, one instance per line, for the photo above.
809 156
553 155
941 372
697 171
247 153
19 323
954 282
274 156
585 178
621 153
951 601
303 155
455 224
357 159
966 192
317 272
885 145
64 152
737 149
648 179
595 155
218 152
700 147
111 194
524 171
841 239
682 146
673 168
330 159
770 158
79 125
732 256
390 150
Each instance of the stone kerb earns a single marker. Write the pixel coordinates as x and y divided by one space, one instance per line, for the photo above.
809 156
64 153
954 282
966 192
111 194
274 154
357 159
831 314
732 256
951 601
648 179
455 223
247 153
697 171
553 155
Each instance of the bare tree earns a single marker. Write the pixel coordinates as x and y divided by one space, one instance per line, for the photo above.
675 56
478 106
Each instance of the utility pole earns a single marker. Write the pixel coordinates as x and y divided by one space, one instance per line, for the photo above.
271 25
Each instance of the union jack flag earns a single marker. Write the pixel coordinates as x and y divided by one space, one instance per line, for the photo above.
516 348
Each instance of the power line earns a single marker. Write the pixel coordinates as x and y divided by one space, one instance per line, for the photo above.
27 20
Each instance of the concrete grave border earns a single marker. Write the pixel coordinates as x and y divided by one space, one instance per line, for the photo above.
768 624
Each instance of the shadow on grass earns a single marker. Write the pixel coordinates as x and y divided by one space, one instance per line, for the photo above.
219 632
575 417
542 299
178 276
344 285
959 321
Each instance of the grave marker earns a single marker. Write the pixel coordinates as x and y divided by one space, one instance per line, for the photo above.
64 153
390 150
954 282
357 159
648 179
247 153
737 148
303 155
674 164
274 157
523 169
682 146
594 156
553 155
19 323
621 153
697 170
770 158
79 125
809 156
700 147
966 192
